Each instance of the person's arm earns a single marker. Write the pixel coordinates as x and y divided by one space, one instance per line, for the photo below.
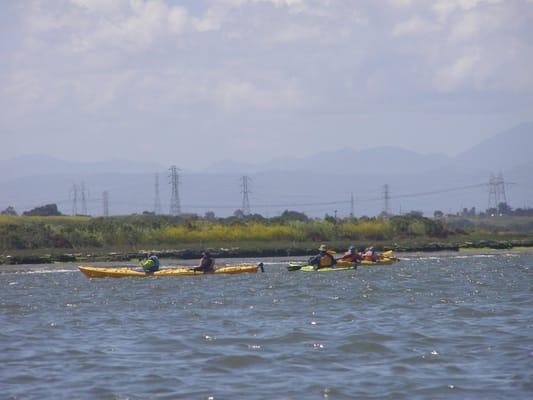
314 260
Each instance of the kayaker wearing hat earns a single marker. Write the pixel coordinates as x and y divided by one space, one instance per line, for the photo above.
207 263
322 259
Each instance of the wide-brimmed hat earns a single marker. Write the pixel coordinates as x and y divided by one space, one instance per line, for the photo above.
323 247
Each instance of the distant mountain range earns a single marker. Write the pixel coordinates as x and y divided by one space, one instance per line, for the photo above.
379 160
41 165
504 151
316 185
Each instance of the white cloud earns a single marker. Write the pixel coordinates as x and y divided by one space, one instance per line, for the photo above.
401 3
263 54
413 26
458 72
241 95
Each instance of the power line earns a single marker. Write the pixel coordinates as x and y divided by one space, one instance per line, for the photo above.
386 198
340 203
175 206
422 194
83 200
245 191
497 193
105 204
74 199
157 200
501 188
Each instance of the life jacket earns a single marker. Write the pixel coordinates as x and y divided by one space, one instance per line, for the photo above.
370 256
155 261
326 260
351 257
207 263
147 265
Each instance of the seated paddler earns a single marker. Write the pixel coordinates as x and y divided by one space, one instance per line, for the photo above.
150 264
207 263
370 254
352 256
323 259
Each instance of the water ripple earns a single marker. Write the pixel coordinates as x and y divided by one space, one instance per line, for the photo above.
430 327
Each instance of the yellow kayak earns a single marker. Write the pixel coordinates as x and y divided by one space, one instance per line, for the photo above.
122 272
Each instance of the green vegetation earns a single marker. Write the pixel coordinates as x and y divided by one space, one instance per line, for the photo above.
149 230
292 230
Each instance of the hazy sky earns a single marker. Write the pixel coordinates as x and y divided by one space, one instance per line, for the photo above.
194 81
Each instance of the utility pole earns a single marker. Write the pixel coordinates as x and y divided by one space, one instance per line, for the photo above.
175 206
497 193
74 199
501 189
494 192
105 203
83 200
245 191
352 206
157 201
386 198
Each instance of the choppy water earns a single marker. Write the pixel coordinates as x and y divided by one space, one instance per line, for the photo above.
428 328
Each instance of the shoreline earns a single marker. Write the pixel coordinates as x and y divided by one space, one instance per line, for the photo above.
93 255
51 256
171 263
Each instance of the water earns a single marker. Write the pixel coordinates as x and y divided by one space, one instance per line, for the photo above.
436 327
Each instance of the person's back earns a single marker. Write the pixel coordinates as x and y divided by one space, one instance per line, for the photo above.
370 255
151 264
351 256
322 259
207 263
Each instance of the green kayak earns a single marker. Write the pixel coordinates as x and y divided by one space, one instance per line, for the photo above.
310 268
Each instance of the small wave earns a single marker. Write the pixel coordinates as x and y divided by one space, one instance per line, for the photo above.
476 256
47 271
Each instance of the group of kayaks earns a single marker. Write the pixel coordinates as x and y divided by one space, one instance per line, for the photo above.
386 258
122 272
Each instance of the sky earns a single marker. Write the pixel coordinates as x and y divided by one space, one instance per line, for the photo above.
193 82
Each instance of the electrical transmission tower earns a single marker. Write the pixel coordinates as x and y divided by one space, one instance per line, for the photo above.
105 203
157 201
497 193
245 191
175 206
74 199
501 188
386 198
83 200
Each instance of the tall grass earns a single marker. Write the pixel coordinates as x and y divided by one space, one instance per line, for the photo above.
85 232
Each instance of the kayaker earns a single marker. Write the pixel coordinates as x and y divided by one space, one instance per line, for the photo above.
370 254
322 259
207 263
351 255
151 264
